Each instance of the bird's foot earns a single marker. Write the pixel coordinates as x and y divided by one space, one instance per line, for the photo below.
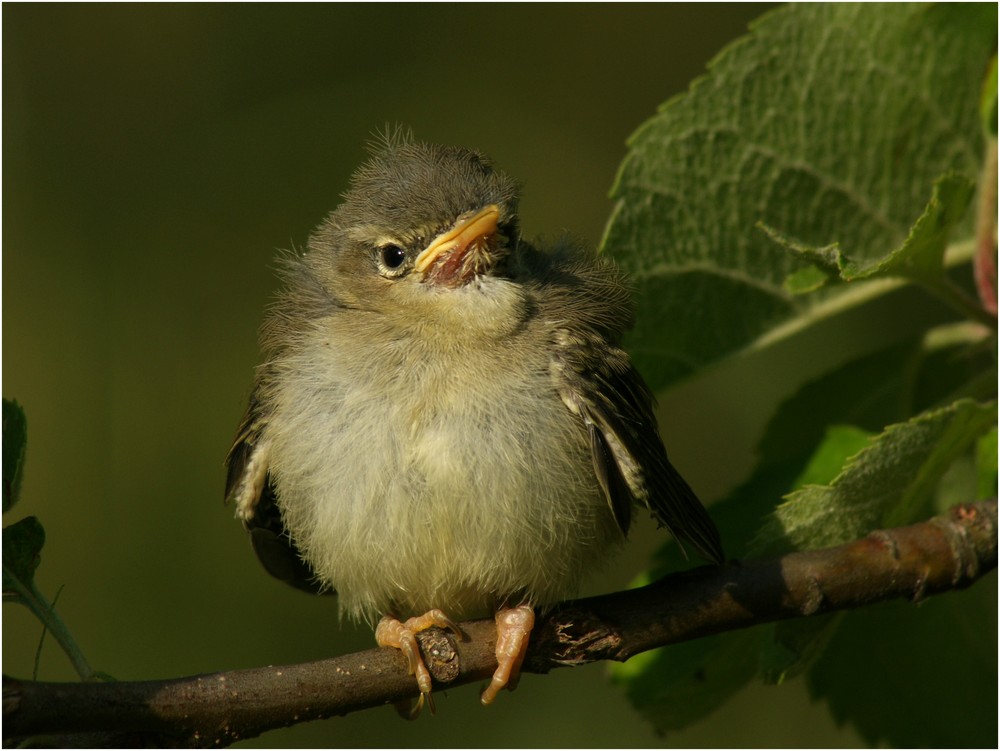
401 635
513 629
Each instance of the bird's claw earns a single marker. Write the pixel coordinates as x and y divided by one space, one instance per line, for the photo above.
513 629
401 635
410 710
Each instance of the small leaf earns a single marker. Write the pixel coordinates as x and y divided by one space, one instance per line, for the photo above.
789 648
806 280
22 548
893 470
957 485
15 439
920 258
891 482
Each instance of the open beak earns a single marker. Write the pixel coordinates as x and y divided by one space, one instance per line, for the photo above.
455 255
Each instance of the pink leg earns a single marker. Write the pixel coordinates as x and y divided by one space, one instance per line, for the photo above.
390 632
513 629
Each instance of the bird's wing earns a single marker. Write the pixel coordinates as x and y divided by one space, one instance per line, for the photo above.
249 487
598 382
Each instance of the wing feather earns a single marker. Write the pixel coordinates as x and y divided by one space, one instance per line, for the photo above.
249 487
598 382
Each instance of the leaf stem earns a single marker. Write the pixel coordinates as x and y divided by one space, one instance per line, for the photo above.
36 602
41 639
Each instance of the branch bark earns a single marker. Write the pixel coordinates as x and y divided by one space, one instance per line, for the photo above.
946 553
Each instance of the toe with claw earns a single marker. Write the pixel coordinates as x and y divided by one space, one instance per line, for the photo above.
513 629
401 635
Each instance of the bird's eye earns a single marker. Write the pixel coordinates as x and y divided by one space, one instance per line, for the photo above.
392 256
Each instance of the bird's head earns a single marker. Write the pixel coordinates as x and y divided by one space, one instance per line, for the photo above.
418 222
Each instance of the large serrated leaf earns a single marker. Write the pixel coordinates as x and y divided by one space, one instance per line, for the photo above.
830 122
909 677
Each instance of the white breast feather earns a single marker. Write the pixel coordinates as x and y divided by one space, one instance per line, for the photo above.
391 472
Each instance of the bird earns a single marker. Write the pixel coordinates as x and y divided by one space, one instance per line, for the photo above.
445 423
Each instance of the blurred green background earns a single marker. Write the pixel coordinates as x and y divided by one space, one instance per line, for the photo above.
154 159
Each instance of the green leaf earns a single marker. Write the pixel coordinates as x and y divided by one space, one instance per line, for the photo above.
868 392
22 549
891 482
15 440
841 442
866 483
958 484
804 281
919 258
909 677
858 484
830 122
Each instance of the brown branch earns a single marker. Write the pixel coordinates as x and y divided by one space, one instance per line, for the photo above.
948 552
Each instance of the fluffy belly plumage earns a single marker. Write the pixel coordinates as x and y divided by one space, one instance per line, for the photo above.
392 503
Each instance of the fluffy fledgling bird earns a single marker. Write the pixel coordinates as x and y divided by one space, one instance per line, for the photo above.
444 422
